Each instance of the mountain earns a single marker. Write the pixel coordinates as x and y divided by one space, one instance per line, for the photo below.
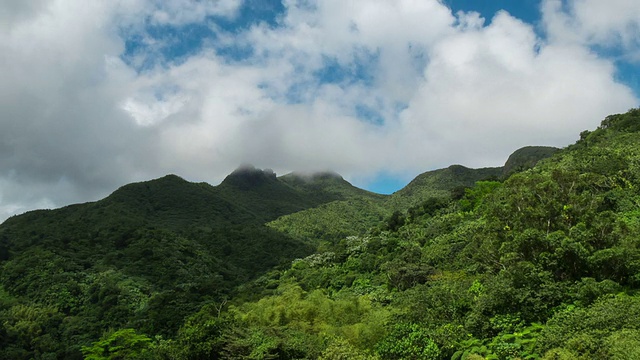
530 260
542 264
326 183
168 245
526 158
335 220
440 183
267 197
359 210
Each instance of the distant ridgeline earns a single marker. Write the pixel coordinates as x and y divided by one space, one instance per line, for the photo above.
532 260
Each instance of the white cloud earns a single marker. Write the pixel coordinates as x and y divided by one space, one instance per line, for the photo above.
16 11
491 90
608 24
78 121
62 83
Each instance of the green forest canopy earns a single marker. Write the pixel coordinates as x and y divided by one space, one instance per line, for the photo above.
542 262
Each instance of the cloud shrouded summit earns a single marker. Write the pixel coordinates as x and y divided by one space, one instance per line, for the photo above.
97 94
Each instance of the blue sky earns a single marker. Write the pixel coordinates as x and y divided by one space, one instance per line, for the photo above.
100 94
526 10
185 40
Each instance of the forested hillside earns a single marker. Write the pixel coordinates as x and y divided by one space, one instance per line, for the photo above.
146 256
498 263
356 215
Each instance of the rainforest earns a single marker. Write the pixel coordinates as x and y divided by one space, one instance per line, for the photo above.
538 259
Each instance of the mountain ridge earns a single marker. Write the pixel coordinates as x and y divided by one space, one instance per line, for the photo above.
247 177
153 252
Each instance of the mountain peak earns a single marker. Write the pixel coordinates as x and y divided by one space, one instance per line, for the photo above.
248 176
526 157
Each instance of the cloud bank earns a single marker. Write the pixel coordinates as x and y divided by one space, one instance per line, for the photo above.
95 95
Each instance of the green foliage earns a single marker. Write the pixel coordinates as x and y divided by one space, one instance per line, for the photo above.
395 221
439 184
26 332
203 334
623 344
340 349
333 221
583 330
544 265
518 344
443 300
515 341
122 344
429 207
525 158
148 255
628 122
408 341
475 195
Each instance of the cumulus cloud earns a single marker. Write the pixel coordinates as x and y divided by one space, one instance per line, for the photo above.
609 24
418 88
58 120
492 89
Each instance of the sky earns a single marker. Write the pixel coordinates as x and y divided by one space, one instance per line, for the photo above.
97 94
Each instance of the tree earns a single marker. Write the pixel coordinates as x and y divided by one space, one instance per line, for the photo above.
123 344
408 342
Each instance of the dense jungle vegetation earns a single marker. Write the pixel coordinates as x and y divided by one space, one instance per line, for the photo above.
534 260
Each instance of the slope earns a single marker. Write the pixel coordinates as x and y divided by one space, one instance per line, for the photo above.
153 252
145 256
544 265
526 158
440 183
355 211
359 210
